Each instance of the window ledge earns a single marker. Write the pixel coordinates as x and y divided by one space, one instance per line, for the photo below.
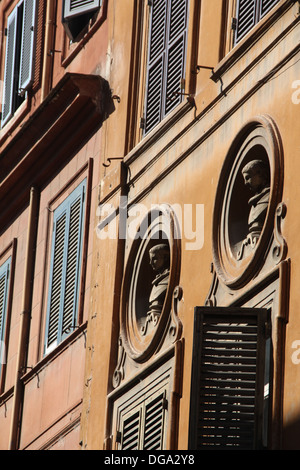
162 128
251 37
51 356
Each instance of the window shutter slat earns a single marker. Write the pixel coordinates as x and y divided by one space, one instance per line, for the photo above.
58 253
65 267
154 423
175 72
246 10
72 266
9 73
166 59
178 18
154 94
131 430
266 6
4 280
28 43
73 8
158 28
228 378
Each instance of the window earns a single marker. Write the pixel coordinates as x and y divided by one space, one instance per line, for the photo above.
166 59
65 264
142 427
4 281
249 13
230 379
77 14
19 57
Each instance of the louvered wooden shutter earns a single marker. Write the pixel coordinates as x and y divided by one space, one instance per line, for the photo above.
131 431
143 427
9 72
166 58
154 422
73 8
4 279
27 44
65 267
176 53
227 389
266 6
246 17
248 13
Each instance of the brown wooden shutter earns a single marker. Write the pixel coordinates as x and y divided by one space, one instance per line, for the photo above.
228 378
143 427
154 422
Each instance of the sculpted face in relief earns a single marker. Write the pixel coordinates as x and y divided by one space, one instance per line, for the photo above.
256 178
160 262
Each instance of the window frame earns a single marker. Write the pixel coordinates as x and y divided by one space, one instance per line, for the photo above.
19 57
80 193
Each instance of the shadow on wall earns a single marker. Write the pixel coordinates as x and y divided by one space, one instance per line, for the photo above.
291 435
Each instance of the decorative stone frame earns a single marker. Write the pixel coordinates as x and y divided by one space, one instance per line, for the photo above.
258 137
159 226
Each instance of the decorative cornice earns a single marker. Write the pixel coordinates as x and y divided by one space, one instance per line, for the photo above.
71 113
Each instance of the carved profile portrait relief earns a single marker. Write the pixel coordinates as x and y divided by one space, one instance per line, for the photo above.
159 258
248 193
257 179
151 275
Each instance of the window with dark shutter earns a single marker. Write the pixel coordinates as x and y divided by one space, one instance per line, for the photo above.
77 14
4 280
65 268
142 428
166 59
19 57
249 13
229 379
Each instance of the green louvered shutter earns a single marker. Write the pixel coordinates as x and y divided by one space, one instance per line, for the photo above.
4 281
65 268
230 376
27 44
166 59
9 72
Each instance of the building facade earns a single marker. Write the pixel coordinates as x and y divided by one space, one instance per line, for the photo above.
149 224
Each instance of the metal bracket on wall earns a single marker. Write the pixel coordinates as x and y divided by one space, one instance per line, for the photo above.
110 159
213 76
